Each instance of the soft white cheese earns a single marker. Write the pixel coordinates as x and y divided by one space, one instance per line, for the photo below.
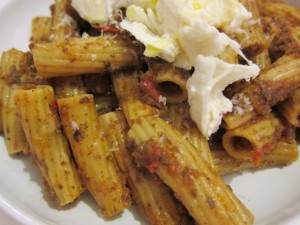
164 46
187 34
145 4
201 39
227 15
99 11
94 11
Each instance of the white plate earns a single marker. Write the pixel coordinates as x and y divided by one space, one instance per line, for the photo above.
273 195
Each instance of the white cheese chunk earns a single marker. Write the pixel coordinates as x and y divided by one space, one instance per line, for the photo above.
94 11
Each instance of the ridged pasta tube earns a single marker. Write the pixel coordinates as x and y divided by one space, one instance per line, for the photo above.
40 29
284 153
290 108
253 138
12 65
14 136
128 92
263 59
154 198
178 115
64 25
163 150
170 81
49 146
83 56
273 85
96 163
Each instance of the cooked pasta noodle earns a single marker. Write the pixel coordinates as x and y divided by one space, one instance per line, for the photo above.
12 65
83 56
284 153
48 143
280 78
170 81
107 103
41 29
98 169
155 199
290 108
163 150
257 136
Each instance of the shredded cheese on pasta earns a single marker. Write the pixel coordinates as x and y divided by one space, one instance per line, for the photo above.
187 34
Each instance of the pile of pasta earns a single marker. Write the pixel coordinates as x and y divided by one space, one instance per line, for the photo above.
96 115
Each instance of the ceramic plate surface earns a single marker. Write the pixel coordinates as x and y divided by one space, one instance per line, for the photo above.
273 194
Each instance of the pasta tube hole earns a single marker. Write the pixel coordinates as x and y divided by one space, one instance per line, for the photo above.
172 91
241 144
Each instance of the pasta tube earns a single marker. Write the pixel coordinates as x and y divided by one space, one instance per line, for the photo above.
49 146
284 153
178 115
263 59
126 86
273 85
163 150
290 108
254 138
155 199
63 28
12 65
236 119
84 55
64 24
286 18
95 161
128 92
40 29
14 136
171 82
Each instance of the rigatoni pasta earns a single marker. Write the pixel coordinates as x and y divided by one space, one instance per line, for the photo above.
15 139
12 65
147 128
284 153
178 115
97 166
290 108
84 55
170 81
154 198
41 29
253 138
127 89
64 24
163 150
63 27
263 59
96 113
254 98
49 146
